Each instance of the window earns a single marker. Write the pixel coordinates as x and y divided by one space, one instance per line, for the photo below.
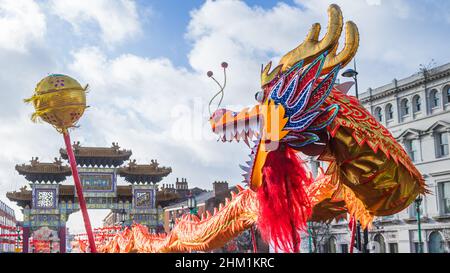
417 104
404 107
434 98
389 112
344 248
436 243
393 248
446 94
444 190
379 114
380 240
412 149
330 246
442 144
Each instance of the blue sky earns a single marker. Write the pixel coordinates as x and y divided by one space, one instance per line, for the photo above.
145 62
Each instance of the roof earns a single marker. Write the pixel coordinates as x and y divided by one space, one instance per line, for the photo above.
44 172
406 83
98 156
146 173
201 198
23 196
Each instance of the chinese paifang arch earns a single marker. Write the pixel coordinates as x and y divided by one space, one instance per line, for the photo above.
300 110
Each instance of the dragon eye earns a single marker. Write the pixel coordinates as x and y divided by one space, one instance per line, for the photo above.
259 96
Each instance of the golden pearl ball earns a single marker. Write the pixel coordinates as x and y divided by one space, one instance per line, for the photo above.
59 100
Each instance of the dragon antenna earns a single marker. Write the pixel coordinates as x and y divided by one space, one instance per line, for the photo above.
222 87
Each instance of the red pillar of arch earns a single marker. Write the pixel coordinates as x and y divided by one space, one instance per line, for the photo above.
25 239
62 239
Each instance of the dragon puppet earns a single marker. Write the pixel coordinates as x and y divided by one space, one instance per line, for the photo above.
300 110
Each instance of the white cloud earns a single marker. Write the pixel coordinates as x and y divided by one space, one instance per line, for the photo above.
395 36
374 2
21 24
118 20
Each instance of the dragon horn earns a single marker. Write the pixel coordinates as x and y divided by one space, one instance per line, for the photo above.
311 48
349 51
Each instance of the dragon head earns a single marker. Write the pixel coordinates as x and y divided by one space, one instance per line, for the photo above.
290 105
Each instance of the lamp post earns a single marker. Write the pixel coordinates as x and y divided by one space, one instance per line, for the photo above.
122 215
352 73
417 203
192 204
310 237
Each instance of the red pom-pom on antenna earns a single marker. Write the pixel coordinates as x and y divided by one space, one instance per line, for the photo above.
209 73
224 64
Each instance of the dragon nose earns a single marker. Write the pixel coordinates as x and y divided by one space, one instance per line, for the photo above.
218 114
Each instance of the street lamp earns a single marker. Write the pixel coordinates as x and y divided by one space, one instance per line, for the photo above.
192 204
122 215
352 73
417 203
